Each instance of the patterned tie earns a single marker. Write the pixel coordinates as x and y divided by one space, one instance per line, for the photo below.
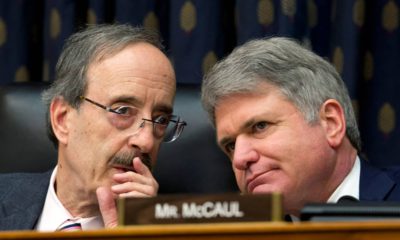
70 227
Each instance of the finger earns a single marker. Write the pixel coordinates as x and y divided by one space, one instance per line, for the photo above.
132 177
133 195
140 167
107 207
149 190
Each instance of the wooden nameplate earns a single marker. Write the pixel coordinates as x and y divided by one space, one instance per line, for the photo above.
191 208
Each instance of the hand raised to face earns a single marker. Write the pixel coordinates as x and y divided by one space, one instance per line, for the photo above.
129 184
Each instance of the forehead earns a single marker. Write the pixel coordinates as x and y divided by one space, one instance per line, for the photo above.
233 111
263 95
137 66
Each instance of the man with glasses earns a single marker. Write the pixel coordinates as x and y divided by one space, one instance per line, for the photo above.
109 109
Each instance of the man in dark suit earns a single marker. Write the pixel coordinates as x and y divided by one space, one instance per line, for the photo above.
284 117
109 109
22 197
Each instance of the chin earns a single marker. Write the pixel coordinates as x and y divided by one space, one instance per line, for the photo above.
105 180
262 189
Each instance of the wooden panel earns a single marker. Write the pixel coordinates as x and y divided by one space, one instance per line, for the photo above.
231 231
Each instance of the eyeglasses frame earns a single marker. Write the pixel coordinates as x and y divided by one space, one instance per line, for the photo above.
179 124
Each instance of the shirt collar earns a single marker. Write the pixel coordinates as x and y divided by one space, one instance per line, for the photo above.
54 213
350 186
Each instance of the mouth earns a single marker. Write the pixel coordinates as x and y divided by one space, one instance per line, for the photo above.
259 179
123 168
124 161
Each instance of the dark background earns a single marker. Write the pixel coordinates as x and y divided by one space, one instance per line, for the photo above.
360 37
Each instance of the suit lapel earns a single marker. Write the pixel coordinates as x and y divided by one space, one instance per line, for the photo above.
375 185
22 219
24 203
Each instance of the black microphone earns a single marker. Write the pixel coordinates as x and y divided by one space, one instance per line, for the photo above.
347 199
349 208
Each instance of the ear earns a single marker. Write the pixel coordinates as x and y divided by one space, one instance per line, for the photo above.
59 110
333 121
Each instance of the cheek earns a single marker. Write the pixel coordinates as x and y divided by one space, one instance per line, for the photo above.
297 147
240 179
93 139
99 129
308 160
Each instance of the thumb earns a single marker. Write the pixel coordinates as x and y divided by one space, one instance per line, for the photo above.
107 207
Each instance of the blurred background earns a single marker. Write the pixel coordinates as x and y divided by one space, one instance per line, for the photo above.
360 37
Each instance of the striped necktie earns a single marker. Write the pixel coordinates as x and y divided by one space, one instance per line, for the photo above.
70 227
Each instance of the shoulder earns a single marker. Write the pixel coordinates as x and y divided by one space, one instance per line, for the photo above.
23 182
9 178
379 183
393 172
22 196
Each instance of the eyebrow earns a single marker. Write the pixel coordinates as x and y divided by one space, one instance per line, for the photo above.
245 125
164 108
128 99
135 101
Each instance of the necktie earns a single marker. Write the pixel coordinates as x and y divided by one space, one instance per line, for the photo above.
70 227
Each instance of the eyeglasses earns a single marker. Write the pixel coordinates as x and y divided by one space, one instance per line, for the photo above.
166 126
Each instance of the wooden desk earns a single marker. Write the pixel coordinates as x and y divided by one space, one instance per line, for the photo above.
231 231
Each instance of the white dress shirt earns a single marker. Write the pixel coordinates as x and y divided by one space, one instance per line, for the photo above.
54 215
350 186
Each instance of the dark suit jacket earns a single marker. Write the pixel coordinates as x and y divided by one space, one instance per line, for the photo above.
22 196
379 184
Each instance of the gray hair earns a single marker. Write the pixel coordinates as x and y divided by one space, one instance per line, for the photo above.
83 48
303 78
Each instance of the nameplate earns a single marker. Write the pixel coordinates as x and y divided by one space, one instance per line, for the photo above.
209 208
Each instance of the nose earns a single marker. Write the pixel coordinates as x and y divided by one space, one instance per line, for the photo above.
143 137
245 154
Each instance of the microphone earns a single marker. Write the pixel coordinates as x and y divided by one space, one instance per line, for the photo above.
347 199
348 208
